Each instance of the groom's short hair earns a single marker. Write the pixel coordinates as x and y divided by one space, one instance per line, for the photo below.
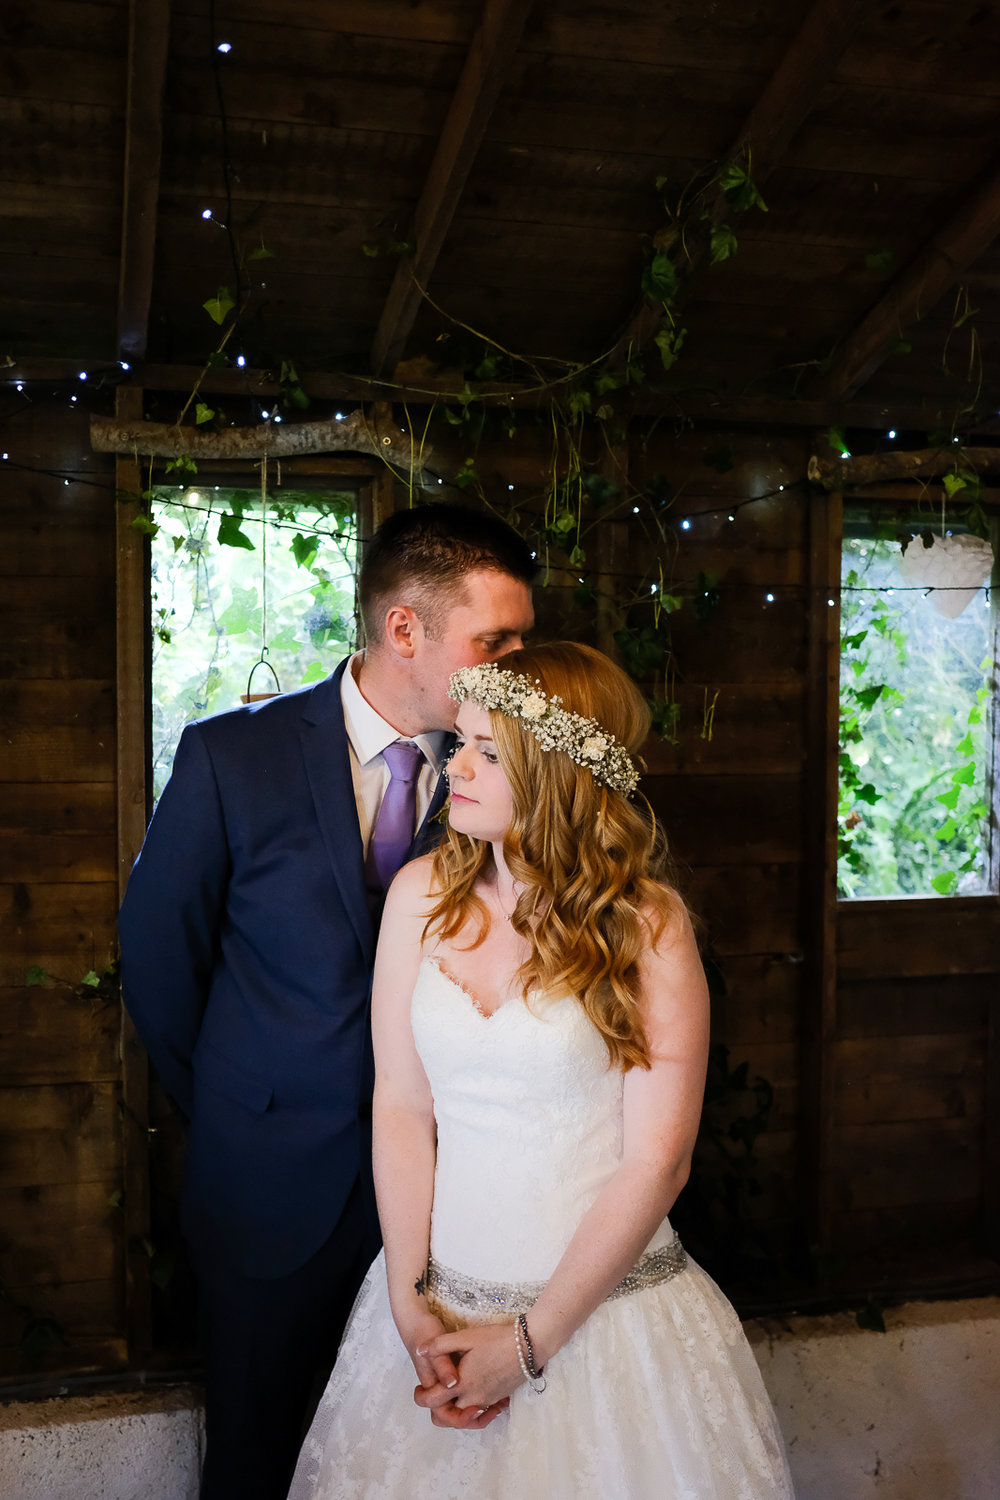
422 556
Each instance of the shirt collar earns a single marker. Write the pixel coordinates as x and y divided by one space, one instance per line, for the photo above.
369 733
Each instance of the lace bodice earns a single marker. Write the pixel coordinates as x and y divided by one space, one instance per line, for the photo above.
529 1122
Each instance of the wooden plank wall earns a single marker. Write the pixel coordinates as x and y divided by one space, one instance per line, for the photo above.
60 1249
909 1128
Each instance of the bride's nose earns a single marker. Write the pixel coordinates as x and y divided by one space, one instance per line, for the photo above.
460 764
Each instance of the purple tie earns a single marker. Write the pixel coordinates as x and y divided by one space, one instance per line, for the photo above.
393 832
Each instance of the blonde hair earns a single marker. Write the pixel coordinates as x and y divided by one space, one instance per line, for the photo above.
591 865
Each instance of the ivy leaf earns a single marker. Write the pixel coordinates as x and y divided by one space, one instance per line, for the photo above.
261 252
91 979
953 483
950 798
304 549
965 775
230 534
739 189
36 975
608 381
964 746
203 413
182 464
945 883
243 613
867 793
145 525
579 402
486 368
659 279
948 830
852 642
313 673
220 306
467 476
722 243
370 250
669 342
882 262
869 696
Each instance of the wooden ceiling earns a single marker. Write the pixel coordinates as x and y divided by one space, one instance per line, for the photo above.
518 145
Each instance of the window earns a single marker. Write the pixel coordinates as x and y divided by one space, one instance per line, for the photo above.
229 578
917 742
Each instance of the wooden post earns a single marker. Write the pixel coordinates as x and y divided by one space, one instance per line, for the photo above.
132 691
820 883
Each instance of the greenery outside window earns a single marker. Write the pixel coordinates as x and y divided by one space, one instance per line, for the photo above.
231 576
918 773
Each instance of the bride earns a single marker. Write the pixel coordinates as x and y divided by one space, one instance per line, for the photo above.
541 1030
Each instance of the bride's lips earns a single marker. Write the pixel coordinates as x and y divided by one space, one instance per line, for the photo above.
457 797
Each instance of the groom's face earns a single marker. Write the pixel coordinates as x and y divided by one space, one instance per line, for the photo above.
490 615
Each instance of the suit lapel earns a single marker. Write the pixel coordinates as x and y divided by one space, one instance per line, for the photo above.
327 759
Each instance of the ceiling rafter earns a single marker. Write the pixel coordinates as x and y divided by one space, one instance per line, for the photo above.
474 101
779 113
148 37
939 266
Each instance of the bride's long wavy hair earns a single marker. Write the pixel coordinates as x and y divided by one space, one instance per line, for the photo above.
591 864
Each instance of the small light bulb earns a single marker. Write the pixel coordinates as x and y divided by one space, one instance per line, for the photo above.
954 439
7 455
338 416
194 497
265 415
732 516
65 481
72 398
19 386
224 47
83 374
891 433
770 598
277 416
635 510
241 360
830 602
124 364
780 487
510 487
206 213
685 525
844 453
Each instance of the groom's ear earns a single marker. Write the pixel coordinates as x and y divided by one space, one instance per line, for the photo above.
403 630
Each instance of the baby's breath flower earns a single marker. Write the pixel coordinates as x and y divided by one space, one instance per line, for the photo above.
585 741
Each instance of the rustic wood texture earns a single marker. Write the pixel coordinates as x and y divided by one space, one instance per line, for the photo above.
61 1242
148 35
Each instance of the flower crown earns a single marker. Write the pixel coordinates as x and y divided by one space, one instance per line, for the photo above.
585 741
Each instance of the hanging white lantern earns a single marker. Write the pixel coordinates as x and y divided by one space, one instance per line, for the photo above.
955 567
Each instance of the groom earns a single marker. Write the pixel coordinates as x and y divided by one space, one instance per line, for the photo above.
247 935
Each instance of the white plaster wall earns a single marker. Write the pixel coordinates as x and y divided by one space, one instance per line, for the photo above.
910 1414
139 1446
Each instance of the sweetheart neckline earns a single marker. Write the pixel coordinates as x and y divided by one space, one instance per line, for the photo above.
456 984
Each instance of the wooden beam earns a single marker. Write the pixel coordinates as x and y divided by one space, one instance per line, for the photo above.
819 1013
925 463
148 35
768 131
475 98
132 689
938 267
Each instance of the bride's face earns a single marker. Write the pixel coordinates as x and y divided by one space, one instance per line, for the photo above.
481 801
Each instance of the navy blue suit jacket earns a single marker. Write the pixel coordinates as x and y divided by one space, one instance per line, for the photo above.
247 945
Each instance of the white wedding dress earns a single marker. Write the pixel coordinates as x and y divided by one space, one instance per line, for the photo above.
656 1397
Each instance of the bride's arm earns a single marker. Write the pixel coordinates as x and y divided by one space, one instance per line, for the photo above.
404 1144
662 1107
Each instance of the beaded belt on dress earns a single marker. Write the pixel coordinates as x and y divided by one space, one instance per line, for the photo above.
510 1297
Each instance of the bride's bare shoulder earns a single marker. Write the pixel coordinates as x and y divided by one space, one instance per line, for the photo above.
414 891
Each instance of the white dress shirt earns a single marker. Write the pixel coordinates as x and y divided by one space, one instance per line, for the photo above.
368 734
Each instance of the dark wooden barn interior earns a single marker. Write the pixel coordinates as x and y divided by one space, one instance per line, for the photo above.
653 266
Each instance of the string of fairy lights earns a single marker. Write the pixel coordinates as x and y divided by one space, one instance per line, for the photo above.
681 529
